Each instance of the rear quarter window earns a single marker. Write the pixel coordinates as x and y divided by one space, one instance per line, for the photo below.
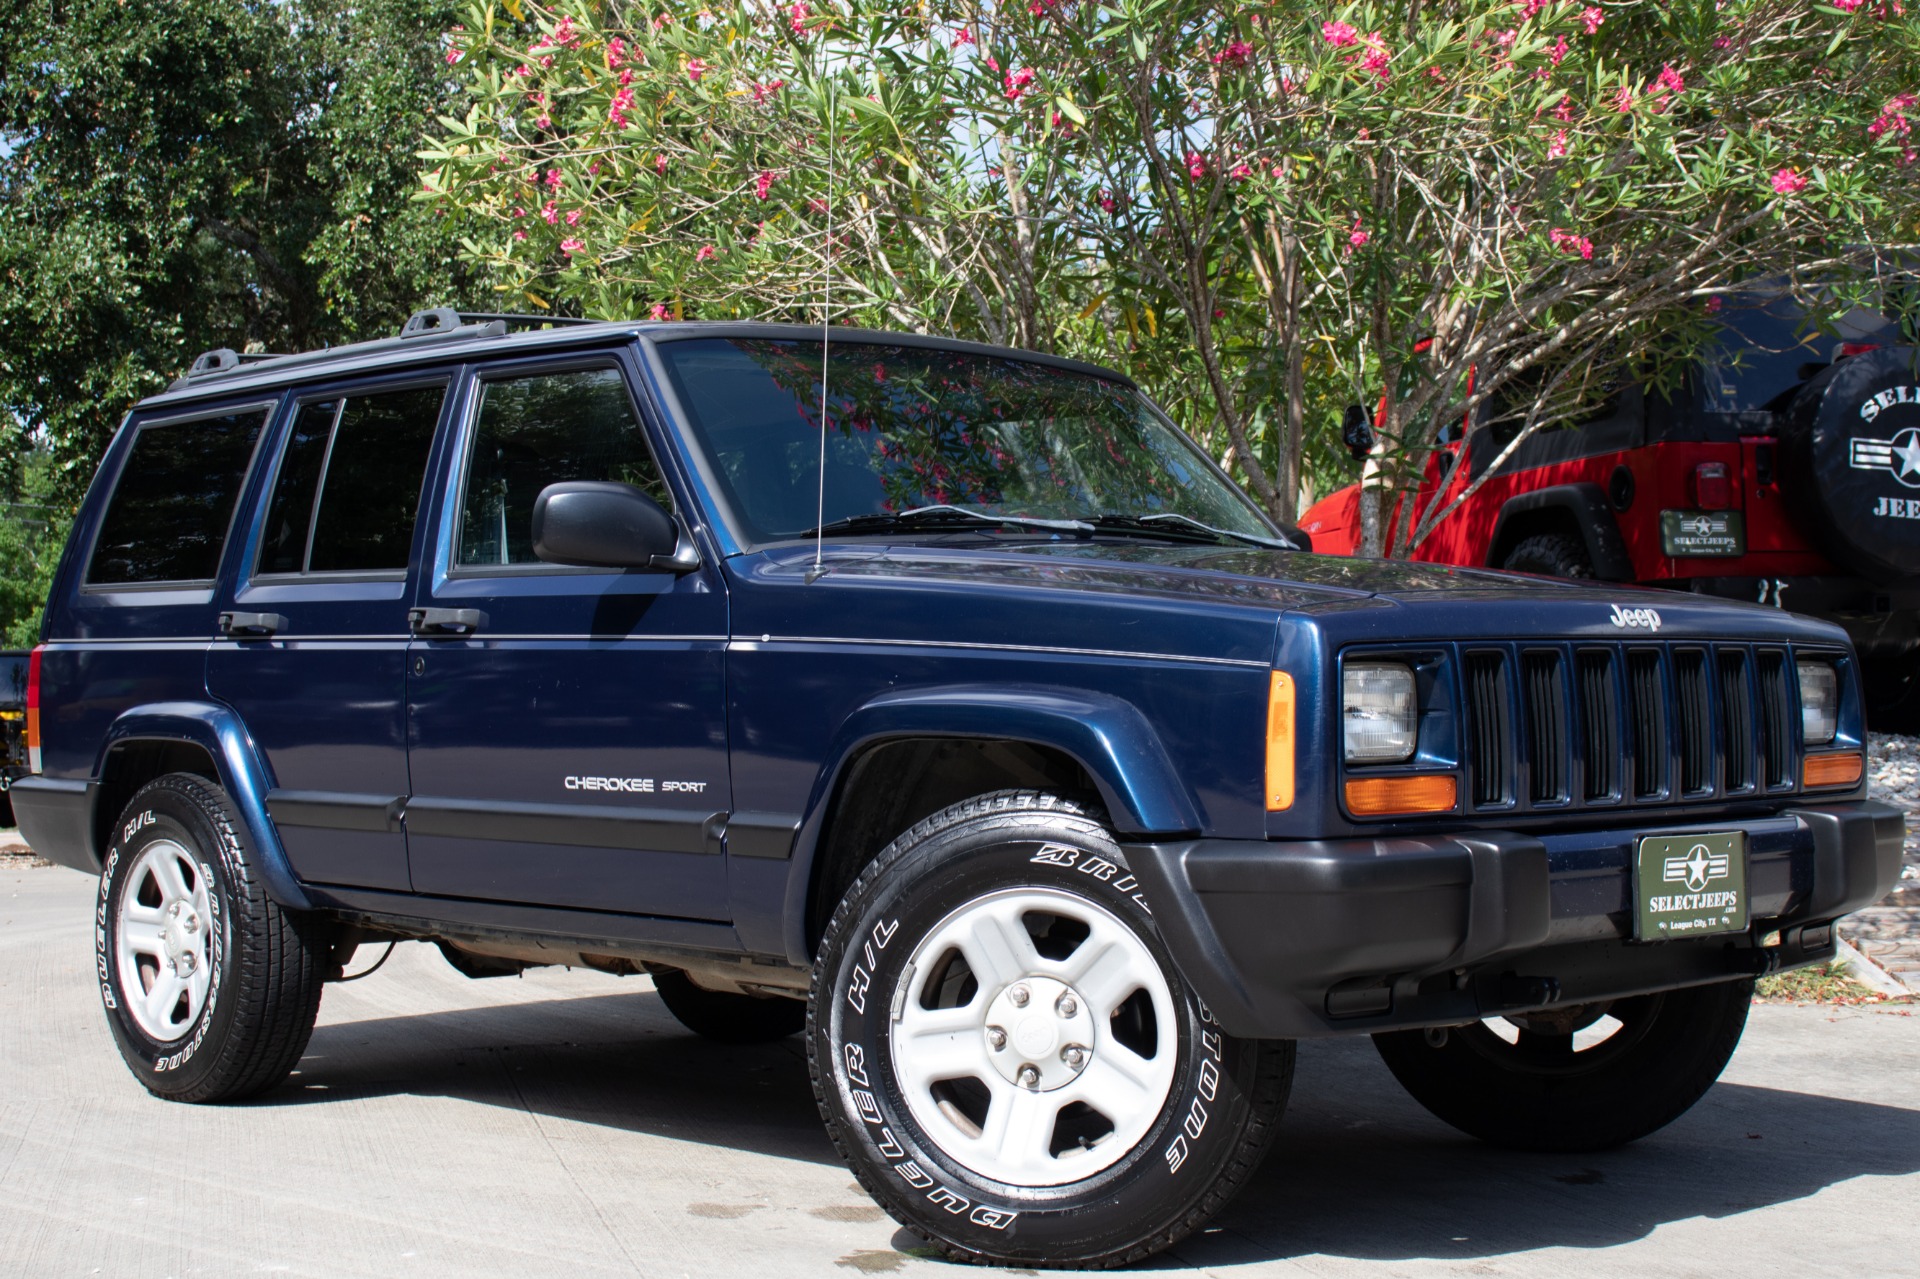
168 518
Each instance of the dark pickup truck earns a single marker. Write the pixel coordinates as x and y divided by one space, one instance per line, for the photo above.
939 702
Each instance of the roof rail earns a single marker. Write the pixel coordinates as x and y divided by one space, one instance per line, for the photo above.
444 321
224 359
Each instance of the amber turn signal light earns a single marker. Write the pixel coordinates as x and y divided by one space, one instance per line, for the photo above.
1280 715
1831 770
1420 793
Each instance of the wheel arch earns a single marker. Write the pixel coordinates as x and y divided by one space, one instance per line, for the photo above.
917 751
151 740
1580 510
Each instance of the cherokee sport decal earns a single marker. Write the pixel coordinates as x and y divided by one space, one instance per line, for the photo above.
634 785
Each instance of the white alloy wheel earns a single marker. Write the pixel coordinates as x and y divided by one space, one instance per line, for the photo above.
1034 1037
163 941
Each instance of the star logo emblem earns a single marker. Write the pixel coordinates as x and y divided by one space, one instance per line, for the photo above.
1697 869
1900 455
1906 449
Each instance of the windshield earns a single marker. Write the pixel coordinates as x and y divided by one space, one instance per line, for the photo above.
912 427
1769 347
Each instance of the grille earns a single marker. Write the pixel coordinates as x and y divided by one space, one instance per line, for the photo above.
1591 725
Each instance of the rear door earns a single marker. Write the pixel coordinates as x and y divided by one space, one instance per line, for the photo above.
567 727
314 658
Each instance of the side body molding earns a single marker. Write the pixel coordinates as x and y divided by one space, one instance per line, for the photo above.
218 730
1108 737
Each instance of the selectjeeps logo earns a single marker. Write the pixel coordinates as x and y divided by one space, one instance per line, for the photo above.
1697 869
1900 455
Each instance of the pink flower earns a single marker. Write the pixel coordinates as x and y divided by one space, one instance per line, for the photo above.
1107 204
1723 42
551 213
574 216
1571 243
1557 149
542 122
659 311
797 19
1376 57
1196 165
1789 182
1559 53
519 235
1623 100
706 253
1017 82
571 246
1530 9
1504 39
660 164
553 179
1564 111
1339 34
1235 55
965 36
594 168
1241 172
626 78
1591 18
564 33
453 56
519 212
761 92
523 71
1669 80
695 69
616 53
1358 238
764 183
1713 304
1848 5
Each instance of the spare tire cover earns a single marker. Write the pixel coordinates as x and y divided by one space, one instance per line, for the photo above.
1852 438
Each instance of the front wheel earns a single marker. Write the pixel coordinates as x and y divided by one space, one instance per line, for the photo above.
1007 1057
1585 1077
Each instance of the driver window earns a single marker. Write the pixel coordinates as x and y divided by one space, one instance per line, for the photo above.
541 430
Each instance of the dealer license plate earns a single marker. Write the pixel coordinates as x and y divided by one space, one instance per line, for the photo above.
1702 534
1690 885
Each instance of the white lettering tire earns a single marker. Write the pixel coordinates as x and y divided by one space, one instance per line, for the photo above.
1007 1057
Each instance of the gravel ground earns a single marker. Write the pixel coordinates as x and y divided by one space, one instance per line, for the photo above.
1889 933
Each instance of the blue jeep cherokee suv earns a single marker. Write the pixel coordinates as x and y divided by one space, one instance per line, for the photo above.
940 701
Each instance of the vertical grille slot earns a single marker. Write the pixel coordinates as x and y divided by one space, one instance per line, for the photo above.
1737 745
1648 704
1490 728
1776 719
1599 725
1544 697
1695 703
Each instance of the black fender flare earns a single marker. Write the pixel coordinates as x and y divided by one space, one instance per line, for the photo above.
1586 504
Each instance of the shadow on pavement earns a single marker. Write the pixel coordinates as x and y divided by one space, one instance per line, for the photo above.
1360 1170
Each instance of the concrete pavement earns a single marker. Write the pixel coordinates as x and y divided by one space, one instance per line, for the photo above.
562 1124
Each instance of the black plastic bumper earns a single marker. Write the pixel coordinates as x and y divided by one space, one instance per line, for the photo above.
54 817
1295 940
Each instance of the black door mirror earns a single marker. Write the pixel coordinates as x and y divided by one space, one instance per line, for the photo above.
604 524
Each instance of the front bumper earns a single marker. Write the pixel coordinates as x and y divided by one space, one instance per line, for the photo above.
1288 940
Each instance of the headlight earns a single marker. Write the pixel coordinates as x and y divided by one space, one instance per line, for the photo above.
1377 708
1819 702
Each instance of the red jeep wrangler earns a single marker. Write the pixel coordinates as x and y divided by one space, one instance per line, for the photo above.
1786 472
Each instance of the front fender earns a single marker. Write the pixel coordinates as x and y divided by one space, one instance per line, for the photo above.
243 773
1108 737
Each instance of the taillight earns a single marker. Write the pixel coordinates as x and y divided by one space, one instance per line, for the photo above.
1712 488
33 711
1850 349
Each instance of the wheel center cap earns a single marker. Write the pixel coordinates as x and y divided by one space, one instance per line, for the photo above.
1039 1033
180 934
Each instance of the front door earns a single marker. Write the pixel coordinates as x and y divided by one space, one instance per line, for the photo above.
567 736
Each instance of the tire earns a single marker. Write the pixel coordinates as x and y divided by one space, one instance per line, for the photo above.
181 907
1146 1119
1550 555
1850 440
1545 1092
729 1018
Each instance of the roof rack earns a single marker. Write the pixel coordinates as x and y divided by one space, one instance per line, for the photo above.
440 324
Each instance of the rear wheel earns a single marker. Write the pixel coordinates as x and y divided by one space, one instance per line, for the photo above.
727 1017
211 989
1007 1057
1551 555
1586 1077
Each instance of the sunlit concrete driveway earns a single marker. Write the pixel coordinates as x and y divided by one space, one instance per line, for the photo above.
562 1124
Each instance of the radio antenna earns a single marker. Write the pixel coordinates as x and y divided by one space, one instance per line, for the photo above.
826 336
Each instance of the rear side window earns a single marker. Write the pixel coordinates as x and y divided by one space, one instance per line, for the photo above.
348 489
540 430
167 521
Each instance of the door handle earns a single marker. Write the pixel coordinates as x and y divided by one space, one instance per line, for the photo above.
445 621
251 625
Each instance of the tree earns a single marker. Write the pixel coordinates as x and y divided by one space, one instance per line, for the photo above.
181 177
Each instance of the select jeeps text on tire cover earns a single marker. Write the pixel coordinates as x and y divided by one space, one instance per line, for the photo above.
1786 471
988 736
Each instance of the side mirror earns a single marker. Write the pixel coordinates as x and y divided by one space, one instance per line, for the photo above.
1356 432
606 524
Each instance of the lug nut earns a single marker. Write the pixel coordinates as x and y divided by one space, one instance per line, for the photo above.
188 963
1029 1076
997 1037
1068 1006
192 925
1019 996
1074 1055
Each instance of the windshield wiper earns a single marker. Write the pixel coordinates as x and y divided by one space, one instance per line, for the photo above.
939 514
1173 523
